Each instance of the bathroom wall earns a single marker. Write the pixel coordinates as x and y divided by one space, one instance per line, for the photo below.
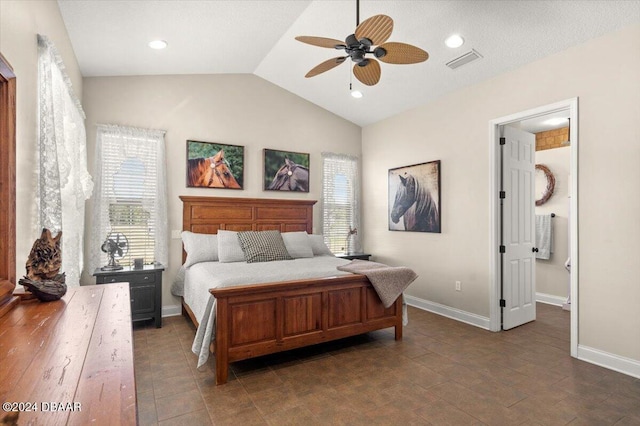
551 276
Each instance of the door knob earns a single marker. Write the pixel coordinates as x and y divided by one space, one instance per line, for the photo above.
534 249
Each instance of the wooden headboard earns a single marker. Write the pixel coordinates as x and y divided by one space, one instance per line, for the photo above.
206 215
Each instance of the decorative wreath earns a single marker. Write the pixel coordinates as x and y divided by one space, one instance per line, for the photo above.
551 184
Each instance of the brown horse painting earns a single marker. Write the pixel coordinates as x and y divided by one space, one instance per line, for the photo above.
291 177
415 205
211 172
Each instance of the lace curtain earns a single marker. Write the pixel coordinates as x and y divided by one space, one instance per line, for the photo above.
120 149
64 184
341 202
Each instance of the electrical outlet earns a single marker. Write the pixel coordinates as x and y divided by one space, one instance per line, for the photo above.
458 286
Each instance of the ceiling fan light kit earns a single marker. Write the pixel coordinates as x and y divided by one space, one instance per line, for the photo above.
369 38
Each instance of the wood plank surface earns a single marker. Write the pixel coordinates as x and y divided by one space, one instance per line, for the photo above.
50 352
24 334
107 387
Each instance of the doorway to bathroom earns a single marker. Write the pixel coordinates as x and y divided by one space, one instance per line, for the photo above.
526 172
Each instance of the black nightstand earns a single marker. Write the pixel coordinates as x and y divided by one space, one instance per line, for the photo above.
359 256
145 287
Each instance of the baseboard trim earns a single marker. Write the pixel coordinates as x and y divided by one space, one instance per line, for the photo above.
171 310
447 311
613 362
550 299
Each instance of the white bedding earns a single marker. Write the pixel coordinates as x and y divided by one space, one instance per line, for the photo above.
199 278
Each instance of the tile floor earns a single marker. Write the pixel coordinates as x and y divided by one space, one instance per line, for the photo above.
443 372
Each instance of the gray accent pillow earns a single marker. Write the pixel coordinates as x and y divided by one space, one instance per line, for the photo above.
318 246
199 247
229 249
298 244
263 246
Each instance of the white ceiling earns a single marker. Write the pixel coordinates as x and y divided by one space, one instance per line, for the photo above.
542 123
110 38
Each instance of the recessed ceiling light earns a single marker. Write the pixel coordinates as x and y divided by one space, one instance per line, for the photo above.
157 44
356 94
454 41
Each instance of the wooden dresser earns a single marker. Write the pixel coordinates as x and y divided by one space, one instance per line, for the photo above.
70 361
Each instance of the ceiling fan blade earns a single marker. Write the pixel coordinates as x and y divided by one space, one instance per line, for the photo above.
377 29
320 41
368 74
325 66
402 53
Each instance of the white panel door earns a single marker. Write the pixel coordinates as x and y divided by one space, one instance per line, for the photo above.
518 228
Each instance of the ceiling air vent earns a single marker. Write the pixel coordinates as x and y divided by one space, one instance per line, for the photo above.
471 55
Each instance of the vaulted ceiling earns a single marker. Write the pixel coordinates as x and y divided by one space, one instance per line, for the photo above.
110 38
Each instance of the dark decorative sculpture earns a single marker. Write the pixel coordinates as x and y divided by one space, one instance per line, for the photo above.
43 266
10 419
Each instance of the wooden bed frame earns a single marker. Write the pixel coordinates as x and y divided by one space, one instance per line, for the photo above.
262 319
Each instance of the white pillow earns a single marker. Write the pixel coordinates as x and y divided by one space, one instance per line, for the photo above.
199 247
298 244
229 249
318 246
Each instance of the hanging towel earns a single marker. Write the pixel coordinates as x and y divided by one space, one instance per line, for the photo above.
544 236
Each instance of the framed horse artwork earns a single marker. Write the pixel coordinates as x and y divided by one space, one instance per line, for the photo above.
286 171
214 165
414 198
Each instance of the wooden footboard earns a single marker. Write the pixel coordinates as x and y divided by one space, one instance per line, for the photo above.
267 318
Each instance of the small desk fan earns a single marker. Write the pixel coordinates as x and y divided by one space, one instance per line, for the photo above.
116 246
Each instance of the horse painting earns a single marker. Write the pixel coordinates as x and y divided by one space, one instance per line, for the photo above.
290 177
415 205
211 172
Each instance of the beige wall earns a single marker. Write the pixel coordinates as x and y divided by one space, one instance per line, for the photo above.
551 276
605 74
235 109
20 22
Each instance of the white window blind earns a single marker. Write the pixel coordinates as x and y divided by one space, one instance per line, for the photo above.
340 201
132 198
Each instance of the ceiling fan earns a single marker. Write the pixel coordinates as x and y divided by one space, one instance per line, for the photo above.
369 39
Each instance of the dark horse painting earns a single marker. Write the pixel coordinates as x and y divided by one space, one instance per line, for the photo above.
290 177
211 172
413 201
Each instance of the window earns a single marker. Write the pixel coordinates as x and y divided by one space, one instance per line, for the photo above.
130 205
340 202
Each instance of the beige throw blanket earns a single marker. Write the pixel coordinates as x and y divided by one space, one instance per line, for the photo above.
388 281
